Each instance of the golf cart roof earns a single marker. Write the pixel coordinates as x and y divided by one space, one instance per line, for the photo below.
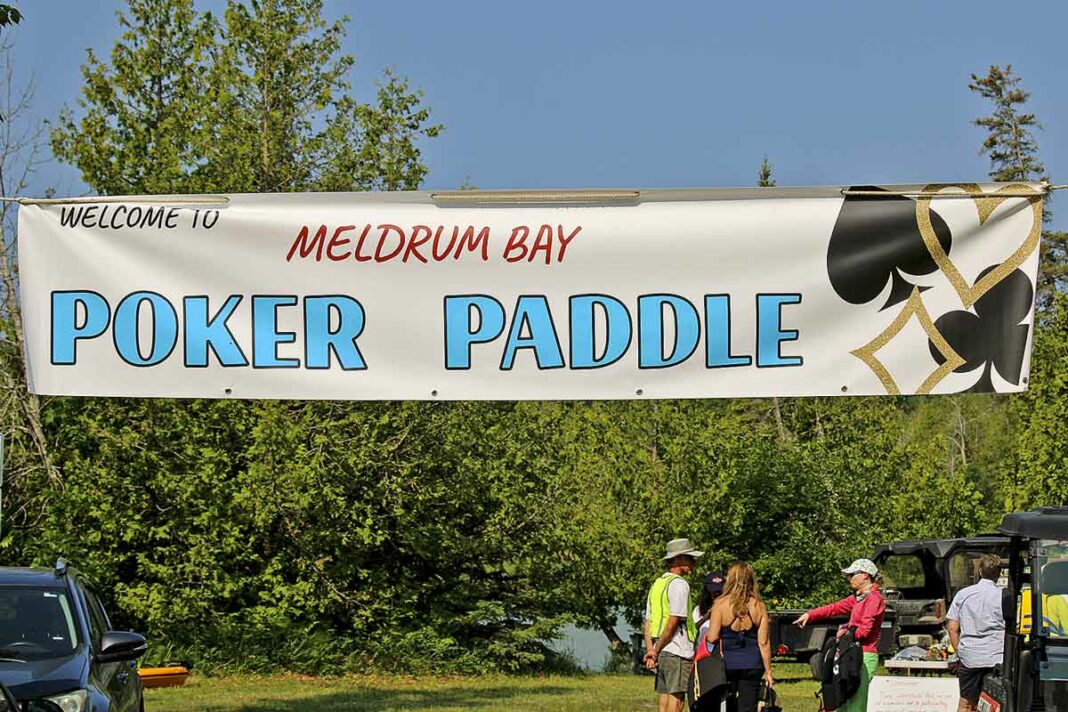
1041 523
940 548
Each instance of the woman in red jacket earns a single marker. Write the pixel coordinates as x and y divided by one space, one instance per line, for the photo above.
865 608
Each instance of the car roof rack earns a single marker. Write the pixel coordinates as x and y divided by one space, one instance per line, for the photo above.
61 566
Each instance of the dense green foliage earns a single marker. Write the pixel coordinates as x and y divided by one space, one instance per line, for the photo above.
330 536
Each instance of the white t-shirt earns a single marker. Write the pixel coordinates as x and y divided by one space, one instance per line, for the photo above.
696 615
678 594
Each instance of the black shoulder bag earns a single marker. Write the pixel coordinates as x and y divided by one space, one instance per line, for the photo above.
708 677
841 674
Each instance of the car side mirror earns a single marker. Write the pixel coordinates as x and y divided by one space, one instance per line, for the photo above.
119 645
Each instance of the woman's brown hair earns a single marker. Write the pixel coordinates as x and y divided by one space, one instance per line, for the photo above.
741 587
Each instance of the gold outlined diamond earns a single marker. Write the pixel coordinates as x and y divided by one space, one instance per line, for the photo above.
913 307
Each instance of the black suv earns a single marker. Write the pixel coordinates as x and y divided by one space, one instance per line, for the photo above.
57 650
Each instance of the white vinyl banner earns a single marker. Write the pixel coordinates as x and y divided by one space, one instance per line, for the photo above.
572 295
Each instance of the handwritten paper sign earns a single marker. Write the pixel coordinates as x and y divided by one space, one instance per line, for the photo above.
912 694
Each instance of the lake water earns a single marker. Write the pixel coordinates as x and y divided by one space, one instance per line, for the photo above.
589 647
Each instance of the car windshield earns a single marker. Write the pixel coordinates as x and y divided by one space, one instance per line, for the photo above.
903 573
964 569
36 623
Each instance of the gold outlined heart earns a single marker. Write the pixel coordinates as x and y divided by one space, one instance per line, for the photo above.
985 204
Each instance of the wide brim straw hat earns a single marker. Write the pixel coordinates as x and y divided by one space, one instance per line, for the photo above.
681 547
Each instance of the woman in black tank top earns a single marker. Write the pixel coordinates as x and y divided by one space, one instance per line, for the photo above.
740 622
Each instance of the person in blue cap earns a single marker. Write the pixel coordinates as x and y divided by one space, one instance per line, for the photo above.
711 591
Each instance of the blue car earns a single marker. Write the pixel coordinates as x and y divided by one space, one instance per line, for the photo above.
58 652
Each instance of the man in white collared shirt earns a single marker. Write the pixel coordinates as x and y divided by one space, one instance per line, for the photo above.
976 624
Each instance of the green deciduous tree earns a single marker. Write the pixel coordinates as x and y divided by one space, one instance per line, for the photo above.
1040 475
29 467
222 527
258 102
144 120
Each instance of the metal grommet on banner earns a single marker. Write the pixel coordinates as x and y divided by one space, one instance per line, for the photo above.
434 393
639 392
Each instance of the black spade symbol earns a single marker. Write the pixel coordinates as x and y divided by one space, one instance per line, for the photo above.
993 336
875 239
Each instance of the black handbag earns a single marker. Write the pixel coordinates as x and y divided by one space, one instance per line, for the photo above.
770 700
708 678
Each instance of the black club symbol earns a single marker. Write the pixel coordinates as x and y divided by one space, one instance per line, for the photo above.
876 239
993 336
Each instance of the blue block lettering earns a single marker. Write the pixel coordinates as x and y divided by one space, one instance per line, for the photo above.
202 332
126 331
532 316
320 340
66 330
461 313
651 330
770 333
718 333
265 333
583 336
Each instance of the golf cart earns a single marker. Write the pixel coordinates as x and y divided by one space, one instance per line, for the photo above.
1035 666
920 578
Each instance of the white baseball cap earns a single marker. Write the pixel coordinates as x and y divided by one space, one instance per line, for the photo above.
861 566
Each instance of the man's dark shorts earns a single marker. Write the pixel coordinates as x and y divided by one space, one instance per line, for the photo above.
672 674
971 682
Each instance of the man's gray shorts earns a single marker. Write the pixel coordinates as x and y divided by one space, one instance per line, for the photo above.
672 674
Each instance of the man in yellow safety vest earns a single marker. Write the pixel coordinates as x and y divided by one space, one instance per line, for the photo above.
669 629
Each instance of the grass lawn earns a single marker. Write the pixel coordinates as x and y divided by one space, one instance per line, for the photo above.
287 693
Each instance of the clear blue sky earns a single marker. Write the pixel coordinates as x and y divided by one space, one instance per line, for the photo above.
626 94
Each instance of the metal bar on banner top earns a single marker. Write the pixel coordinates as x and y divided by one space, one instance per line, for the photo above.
569 196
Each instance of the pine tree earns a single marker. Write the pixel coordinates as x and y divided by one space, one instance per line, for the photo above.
764 179
1013 151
